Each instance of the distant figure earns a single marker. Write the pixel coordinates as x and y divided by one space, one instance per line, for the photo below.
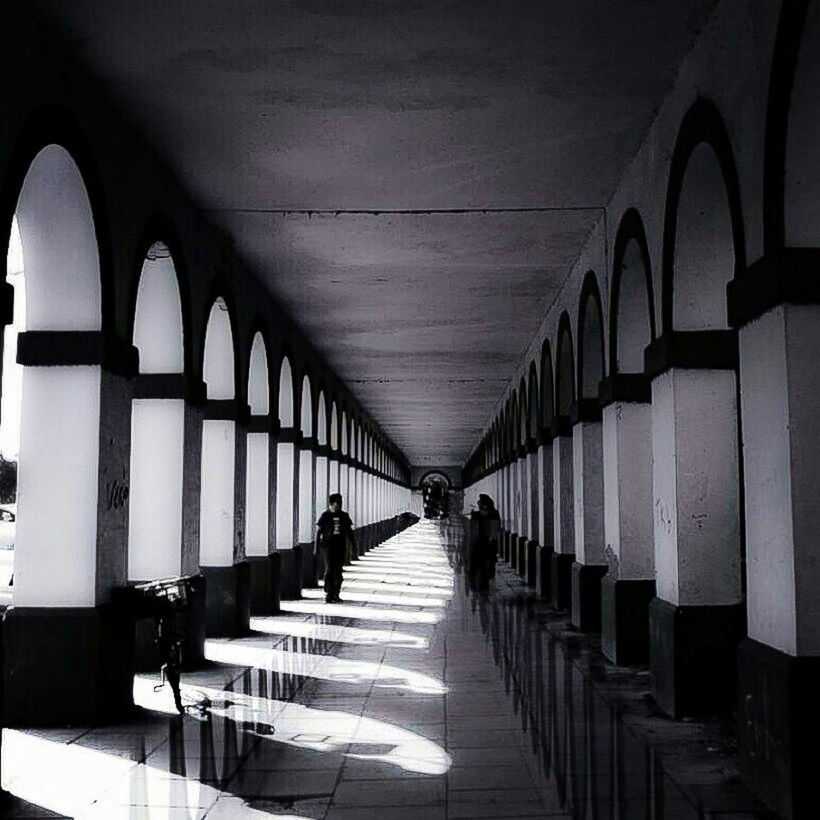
485 528
334 530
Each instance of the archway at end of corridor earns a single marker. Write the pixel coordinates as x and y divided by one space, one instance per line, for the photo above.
435 491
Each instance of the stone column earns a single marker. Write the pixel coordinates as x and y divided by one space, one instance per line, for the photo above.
697 618
546 511
588 497
221 551
777 307
629 586
68 656
533 494
260 553
563 555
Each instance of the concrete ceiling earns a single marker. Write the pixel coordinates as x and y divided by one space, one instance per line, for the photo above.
263 106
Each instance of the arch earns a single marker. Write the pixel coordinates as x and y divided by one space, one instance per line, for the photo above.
631 304
344 432
534 412
590 338
435 475
157 323
52 170
306 408
792 115
321 420
703 238
565 368
161 246
286 402
547 388
218 365
62 263
258 380
334 427
512 422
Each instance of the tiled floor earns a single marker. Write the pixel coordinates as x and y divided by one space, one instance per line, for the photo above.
414 698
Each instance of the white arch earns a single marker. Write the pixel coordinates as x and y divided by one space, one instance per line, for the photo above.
321 421
306 408
344 433
258 385
285 394
334 428
218 365
158 333
60 242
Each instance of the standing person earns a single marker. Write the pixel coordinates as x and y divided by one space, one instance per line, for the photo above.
485 530
334 530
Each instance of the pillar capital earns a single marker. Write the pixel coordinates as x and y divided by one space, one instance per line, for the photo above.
788 275
691 350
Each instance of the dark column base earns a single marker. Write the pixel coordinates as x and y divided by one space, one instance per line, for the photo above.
289 581
190 626
532 564
692 656
543 572
67 666
586 596
266 583
521 548
227 600
561 597
308 566
625 620
778 726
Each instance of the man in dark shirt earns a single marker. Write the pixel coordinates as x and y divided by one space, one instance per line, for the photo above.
333 530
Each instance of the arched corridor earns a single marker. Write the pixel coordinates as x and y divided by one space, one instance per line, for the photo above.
409 408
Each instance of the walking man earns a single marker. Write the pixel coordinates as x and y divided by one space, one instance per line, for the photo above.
333 531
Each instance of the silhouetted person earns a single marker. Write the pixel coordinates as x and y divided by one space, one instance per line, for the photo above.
485 527
334 530
169 646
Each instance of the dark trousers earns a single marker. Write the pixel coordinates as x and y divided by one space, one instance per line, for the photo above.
334 558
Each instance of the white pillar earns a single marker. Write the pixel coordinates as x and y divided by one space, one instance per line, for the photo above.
56 538
155 489
257 495
588 492
564 513
627 457
695 487
216 498
285 453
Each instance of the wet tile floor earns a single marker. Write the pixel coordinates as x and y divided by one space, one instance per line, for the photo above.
411 698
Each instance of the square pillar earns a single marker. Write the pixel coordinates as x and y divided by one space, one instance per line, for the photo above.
629 585
697 618
779 663
563 556
588 503
543 572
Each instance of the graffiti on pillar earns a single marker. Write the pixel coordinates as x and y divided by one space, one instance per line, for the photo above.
664 516
116 494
